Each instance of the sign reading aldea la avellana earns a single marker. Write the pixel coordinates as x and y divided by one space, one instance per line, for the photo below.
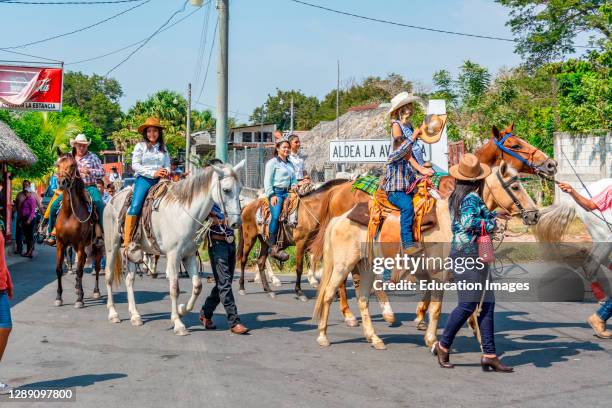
31 88
359 150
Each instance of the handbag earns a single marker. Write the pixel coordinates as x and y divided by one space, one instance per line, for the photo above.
485 246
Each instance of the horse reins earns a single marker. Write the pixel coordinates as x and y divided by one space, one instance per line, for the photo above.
73 177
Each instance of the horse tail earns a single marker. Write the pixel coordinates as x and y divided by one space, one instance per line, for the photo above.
316 246
328 269
554 222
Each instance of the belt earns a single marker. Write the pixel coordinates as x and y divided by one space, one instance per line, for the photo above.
281 189
224 238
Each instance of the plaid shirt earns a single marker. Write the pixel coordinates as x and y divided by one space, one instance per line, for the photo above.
90 162
399 174
466 229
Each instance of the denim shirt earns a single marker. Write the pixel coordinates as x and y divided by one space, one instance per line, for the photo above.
278 174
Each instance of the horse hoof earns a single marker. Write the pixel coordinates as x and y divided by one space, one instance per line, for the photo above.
58 303
182 309
154 275
421 325
242 292
351 321
302 298
314 285
114 319
272 295
323 342
389 318
277 283
181 331
96 295
78 305
379 345
430 342
136 321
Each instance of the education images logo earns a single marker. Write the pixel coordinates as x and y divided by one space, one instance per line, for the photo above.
458 265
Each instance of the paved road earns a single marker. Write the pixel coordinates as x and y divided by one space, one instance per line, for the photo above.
558 362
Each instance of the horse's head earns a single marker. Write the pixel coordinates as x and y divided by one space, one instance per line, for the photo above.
67 171
521 155
226 192
503 189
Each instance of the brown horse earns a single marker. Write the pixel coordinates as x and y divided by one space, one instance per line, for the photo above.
75 227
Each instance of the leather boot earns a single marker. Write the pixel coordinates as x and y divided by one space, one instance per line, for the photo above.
599 327
51 240
279 254
128 228
99 236
493 363
443 356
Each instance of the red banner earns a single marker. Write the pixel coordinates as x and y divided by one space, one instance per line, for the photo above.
31 88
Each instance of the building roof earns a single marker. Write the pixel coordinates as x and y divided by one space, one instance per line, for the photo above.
12 149
252 126
362 123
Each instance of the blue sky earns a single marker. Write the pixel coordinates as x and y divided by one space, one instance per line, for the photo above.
273 43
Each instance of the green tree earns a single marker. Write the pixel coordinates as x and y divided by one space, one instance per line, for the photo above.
96 97
277 109
546 30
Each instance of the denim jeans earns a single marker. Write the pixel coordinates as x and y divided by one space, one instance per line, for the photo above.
223 261
142 185
275 212
605 311
95 196
403 201
468 302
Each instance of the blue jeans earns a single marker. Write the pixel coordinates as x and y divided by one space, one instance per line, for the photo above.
142 185
275 212
403 201
605 311
96 198
467 303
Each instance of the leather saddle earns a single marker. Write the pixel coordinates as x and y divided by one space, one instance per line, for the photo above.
263 218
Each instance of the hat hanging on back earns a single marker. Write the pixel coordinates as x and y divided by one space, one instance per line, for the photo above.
469 169
432 127
401 99
80 139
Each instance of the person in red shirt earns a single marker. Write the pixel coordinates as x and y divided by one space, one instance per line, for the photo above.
6 293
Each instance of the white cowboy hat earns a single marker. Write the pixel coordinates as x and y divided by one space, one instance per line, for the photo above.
81 139
401 99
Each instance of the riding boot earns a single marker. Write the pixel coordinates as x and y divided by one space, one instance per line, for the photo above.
279 254
128 229
51 240
99 239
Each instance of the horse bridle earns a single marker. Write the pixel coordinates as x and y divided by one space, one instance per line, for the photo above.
71 178
506 185
529 162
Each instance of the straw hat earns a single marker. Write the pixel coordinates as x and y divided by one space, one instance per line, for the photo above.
401 99
80 139
469 169
150 122
432 127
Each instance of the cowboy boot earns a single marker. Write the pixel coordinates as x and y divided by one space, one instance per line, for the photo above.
99 239
51 240
128 229
599 327
279 254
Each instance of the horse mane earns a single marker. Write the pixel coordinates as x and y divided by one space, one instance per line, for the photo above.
326 186
198 182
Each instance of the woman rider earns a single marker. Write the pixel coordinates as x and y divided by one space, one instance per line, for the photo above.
303 179
401 166
279 178
469 215
90 170
150 162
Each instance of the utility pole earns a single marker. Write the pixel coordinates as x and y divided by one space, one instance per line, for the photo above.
291 128
188 131
221 128
338 103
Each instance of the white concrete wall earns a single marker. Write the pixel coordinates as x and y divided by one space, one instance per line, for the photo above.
591 157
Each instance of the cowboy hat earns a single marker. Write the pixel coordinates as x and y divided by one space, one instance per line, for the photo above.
432 127
80 139
469 169
401 99
150 122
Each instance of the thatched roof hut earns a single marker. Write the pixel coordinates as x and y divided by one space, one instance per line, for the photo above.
12 149
361 122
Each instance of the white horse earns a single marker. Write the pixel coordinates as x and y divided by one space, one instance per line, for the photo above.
178 227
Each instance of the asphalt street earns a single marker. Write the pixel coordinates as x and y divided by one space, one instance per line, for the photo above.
558 362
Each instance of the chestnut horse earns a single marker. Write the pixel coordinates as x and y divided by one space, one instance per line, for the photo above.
75 227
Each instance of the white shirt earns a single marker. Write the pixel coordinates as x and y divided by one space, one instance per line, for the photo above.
114 177
298 165
147 160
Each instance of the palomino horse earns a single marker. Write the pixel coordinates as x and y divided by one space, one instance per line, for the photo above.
344 251
505 145
75 227
179 228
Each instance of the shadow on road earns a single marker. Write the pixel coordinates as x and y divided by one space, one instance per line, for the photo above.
74 381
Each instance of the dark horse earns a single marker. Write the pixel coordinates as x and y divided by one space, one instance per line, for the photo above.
75 226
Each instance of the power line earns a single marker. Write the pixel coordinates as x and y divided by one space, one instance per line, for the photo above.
134 43
202 45
32 56
395 23
212 47
56 3
148 39
79 29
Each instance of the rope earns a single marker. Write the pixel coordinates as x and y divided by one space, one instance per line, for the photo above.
204 226
307 210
